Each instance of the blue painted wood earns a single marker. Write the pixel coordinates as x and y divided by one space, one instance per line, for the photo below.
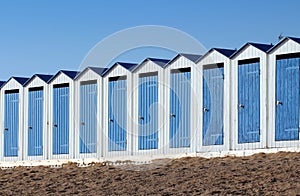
180 109
148 113
249 103
88 118
11 124
35 122
117 114
287 99
61 120
213 93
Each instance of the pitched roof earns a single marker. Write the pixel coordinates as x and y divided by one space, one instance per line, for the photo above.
223 51
160 62
295 39
128 66
157 61
262 47
21 80
192 57
43 77
70 74
1 83
98 70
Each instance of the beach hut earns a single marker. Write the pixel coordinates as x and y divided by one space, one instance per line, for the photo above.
249 94
88 113
214 100
36 97
12 102
61 115
283 102
181 120
148 115
117 87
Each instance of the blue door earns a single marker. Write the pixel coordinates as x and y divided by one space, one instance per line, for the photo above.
213 88
61 119
88 118
287 99
248 103
117 114
180 108
148 114
11 123
35 122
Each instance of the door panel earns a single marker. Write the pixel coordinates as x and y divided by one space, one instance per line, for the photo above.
88 118
148 113
287 99
180 109
35 122
61 120
213 93
11 124
117 114
248 103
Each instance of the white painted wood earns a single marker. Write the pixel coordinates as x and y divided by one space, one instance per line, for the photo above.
182 62
88 75
36 82
12 84
249 52
118 70
148 67
214 57
287 46
61 78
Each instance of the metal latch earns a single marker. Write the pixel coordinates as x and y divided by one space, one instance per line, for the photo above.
205 109
241 106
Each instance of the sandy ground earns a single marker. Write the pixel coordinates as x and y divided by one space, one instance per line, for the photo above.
262 174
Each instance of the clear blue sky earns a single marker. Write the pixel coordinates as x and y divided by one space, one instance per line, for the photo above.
45 36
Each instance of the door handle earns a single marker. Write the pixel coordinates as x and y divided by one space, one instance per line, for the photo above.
82 123
141 118
205 109
173 115
241 106
55 125
279 102
30 127
6 129
110 120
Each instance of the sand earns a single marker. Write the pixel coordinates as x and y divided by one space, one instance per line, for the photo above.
262 174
